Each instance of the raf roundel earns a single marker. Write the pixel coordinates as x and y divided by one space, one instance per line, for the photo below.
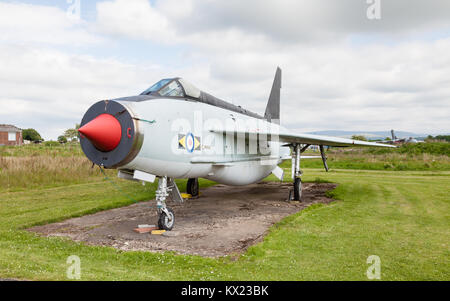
190 142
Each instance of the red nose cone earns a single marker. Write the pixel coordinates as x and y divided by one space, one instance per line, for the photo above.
104 132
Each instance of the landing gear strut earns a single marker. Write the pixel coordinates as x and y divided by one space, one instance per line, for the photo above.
296 172
166 187
192 187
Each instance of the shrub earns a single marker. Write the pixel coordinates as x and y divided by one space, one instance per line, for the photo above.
62 139
31 135
51 143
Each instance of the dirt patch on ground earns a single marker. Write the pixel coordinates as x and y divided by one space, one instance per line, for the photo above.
222 221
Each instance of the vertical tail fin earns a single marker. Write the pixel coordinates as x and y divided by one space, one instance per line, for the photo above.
393 135
272 113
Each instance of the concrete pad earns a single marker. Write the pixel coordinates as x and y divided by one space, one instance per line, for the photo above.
223 220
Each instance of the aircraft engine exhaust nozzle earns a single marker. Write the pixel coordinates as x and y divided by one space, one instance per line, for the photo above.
104 132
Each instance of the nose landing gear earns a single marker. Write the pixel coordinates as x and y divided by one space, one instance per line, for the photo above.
166 187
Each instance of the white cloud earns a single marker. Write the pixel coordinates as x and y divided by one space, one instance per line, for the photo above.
391 77
138 20
293 21
26 23
49 88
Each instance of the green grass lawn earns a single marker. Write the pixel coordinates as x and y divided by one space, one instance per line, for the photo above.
402 217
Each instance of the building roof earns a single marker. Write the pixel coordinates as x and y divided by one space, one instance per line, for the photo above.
9 128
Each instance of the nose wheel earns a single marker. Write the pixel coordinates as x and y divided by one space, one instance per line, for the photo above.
166 219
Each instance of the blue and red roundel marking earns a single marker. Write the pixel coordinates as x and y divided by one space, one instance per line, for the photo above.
190 142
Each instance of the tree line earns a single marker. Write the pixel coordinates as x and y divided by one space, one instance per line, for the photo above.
69 135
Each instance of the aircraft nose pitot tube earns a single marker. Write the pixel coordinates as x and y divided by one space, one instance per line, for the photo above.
109 134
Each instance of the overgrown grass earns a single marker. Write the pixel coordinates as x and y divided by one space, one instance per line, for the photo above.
19 173
41 165
44 166
33 150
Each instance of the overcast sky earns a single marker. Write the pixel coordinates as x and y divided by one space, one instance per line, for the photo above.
343 69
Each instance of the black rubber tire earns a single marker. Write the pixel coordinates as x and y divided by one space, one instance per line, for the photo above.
192 187
163 221
298 189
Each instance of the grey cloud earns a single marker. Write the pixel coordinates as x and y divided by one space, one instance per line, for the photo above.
232 49
304 20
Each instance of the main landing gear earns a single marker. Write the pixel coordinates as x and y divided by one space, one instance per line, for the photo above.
297 150
296 172
297 189
192 187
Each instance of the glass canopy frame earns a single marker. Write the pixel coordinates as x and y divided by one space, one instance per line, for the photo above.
173 87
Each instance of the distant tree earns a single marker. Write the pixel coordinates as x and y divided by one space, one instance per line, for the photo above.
359 137
429 138
31 135
443 137
388 139
72 134
62 139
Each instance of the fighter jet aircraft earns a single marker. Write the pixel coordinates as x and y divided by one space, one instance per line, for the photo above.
395 140
173 130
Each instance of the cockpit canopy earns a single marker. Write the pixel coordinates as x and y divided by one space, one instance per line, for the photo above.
173 87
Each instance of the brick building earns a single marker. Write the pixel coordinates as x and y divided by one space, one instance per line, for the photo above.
10 135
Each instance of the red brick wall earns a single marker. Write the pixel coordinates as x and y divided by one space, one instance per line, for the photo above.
4 139
19 138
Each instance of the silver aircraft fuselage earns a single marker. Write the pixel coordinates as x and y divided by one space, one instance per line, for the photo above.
173 131
227 159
